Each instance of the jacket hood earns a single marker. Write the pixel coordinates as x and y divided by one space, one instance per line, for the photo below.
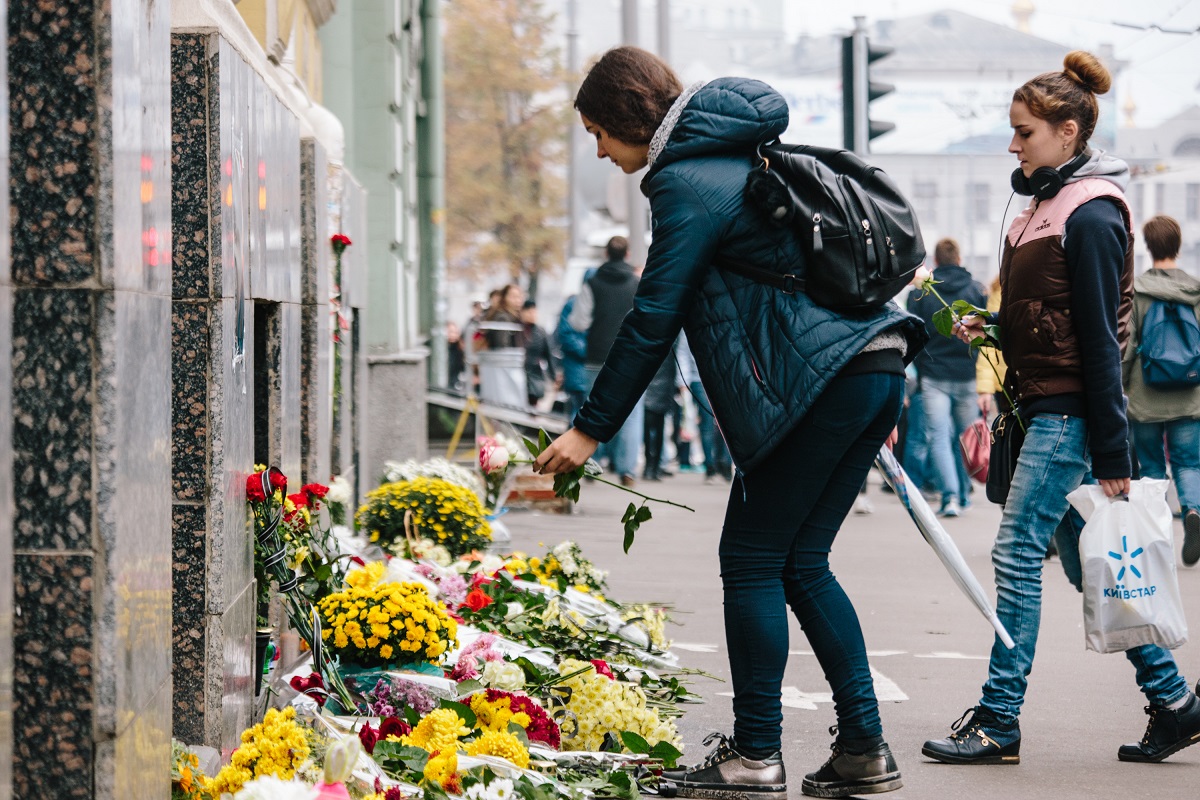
719 116
1102 165
1172 285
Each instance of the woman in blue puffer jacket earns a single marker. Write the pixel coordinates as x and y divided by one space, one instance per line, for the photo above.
804 396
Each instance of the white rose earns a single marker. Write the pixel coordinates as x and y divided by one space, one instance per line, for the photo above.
502 675
269 787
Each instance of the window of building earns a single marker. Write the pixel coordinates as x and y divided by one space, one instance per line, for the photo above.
1192 209
925 199
979 202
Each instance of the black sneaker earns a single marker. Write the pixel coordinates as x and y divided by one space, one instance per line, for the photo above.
846 774
983 740
726 774
1191 537
1168 731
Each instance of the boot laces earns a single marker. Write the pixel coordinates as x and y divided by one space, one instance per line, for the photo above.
721 752
1153 712
834 747
963 735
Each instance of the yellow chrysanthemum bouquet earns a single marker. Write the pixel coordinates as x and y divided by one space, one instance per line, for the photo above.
276 746
600 705
375 624
448 515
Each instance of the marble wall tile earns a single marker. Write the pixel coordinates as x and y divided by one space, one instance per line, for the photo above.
134 501
191 363
53 708
192 190
6 500
317 341
52 419
288 141
289 394
188 658
54 106
233 685
231 414
141 750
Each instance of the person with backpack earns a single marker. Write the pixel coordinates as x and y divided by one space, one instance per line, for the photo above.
1066 277
805 396
1163 351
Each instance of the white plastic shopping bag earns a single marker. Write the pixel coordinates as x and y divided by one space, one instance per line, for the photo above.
1130 591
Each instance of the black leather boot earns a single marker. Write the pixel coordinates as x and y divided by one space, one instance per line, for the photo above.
983 740
847 774
1168 731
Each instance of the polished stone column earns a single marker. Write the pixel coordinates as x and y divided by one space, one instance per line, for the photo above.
317 342
6 495
236 360
89 99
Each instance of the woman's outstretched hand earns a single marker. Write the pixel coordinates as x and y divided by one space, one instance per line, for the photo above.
567 452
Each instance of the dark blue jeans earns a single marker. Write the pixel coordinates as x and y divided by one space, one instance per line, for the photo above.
779 526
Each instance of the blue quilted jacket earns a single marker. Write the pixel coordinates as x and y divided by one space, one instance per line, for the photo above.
764 356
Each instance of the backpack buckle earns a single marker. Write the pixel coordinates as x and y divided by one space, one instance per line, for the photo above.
789 284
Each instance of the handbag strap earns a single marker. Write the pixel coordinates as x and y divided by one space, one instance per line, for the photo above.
788 283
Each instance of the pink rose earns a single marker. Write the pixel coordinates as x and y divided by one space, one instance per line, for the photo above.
493 457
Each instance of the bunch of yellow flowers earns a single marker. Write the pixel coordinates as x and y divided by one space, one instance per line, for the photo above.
602 705
502 744
276 746
439 731
494 715
380 624
445 513
651 619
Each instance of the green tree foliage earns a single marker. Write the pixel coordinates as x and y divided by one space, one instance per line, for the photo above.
505 138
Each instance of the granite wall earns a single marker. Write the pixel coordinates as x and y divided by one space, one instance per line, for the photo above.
6 495
251 358
85 318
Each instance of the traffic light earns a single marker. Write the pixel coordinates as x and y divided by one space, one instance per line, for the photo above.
858 90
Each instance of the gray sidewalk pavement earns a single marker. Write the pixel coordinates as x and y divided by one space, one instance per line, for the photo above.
928 646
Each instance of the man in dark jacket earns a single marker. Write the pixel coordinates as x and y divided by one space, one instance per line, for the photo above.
600 308
946 375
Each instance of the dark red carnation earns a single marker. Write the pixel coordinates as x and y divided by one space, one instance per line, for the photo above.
394 726
342 239
278 479
477 600
368 736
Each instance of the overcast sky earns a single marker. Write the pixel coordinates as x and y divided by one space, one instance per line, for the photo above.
1164 72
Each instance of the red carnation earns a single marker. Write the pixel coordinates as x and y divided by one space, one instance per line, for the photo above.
254 490
313 686
315 490
340 242
602 668
299 499
477 600
278 479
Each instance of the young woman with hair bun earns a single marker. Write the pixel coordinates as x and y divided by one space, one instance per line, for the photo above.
1066 279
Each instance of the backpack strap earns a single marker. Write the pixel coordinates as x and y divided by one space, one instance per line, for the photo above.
788 283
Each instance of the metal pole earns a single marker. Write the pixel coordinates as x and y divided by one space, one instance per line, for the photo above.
664 30
634 202
861 88
572 128
431 192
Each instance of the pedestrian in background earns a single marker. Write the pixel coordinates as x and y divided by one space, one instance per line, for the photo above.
804 396
946 371
572 345
716 455
539 361
1067 294
506 310
601 305
659 401
1170 415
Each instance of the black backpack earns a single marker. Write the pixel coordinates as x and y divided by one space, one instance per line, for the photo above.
860 236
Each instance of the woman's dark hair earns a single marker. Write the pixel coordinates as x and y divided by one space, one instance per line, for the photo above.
627 93
1071 94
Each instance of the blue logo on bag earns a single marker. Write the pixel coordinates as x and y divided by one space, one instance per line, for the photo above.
1120 591
1119 557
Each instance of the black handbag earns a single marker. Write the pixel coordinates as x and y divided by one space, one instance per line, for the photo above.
1007 438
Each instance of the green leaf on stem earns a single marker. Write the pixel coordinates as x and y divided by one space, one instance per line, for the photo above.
963 308
533 449
943 320
668 752
543 439
632 519
464 711
635 743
